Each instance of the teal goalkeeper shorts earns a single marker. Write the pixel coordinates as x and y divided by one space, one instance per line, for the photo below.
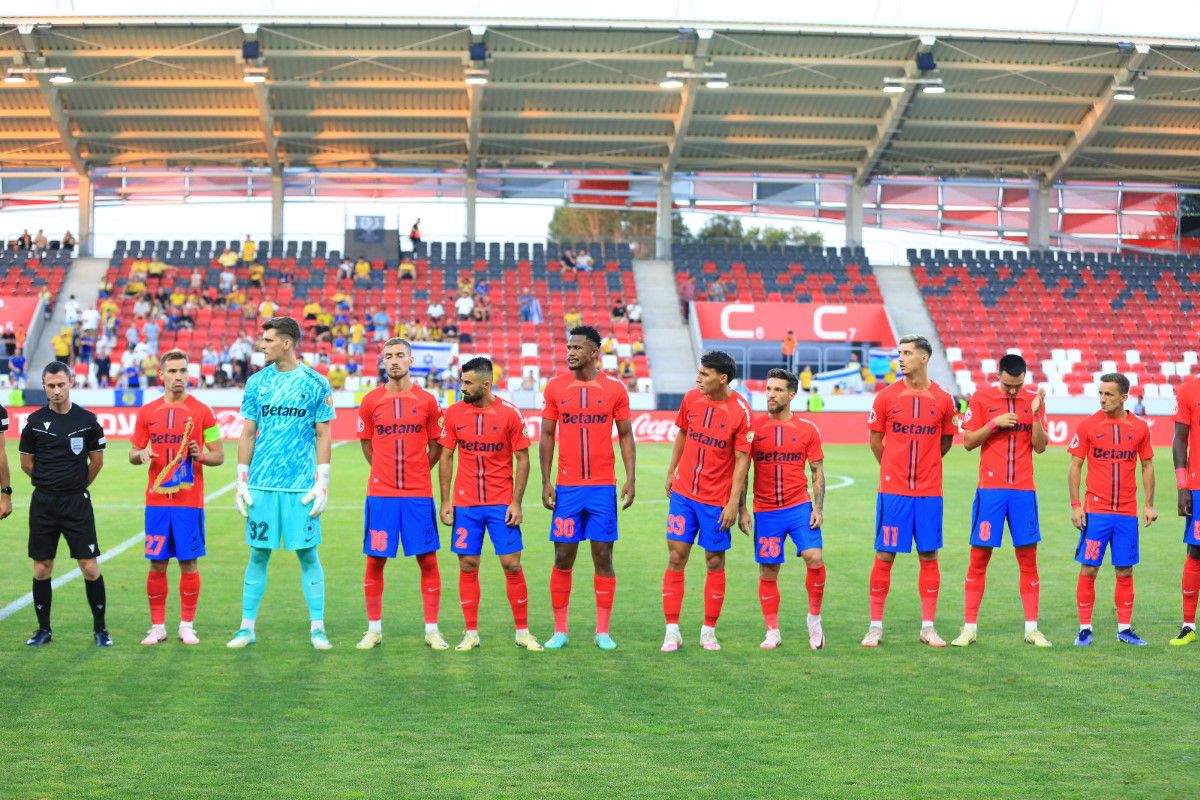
280 519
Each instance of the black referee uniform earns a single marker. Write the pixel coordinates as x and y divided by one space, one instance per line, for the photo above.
61 504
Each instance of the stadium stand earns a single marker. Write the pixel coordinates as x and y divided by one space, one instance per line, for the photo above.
1066 314
296 273
779 274
24 273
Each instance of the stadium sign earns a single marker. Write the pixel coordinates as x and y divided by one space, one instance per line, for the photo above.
808 322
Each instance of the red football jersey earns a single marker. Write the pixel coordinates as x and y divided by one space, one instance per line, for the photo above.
713 431
1006 457
161 424
780 451
585 412
400 426
913 424
1112 448
1187 412
486 439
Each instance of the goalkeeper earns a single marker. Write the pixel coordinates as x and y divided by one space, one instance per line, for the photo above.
283 473
177 436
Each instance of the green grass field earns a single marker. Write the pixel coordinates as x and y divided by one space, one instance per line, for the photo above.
281 720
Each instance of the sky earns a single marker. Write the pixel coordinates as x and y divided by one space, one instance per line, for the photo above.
1163 18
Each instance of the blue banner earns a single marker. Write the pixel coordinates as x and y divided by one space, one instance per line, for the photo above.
431 357
127 397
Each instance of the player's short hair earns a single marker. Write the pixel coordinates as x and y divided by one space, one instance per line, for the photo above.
1012 364
587 332
1120 380
719 361
918 341
172 355
480 365
284 326
55 367
395 340
793 383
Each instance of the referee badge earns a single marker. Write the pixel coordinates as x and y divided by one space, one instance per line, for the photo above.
76 444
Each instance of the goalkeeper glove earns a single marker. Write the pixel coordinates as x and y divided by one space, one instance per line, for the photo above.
318 495
241 494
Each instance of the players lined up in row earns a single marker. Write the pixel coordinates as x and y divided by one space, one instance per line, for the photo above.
283 483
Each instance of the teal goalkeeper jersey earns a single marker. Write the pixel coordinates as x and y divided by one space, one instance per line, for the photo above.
286 406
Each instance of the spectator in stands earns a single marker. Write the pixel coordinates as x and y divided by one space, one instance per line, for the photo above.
228 281
8 340
337 377
16 368
40 243
89 320
1139 407
249 251
236 298
324 326
239 354
407 269
637 347
267 309
527 383
346 269
633 313
434 312
212 297
414 234
357 345
573 318
716 291
103 364
483 308
135 288
806 378
150 331
816 403
71 310
466 284
687 294
527 300
256 274
450 328
609 344
343 302
584 262
362 269
62 345
619 310
382 322
285 273
105 288
464 306
196 280
210 357
150 370
68 242
132 336
627 372
787 349
177 298
24 241
568 261
155 270
47 304
312 310
228 258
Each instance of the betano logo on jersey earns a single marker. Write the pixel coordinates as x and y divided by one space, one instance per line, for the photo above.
705 440
583 419
914 429
775 458
1113 454
268 410
398 428
482 447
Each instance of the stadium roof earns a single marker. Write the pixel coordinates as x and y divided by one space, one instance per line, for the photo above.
585 95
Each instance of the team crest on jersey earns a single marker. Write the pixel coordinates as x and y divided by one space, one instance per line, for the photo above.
76 444
967 416
1074 441
361 426
749 436
871 417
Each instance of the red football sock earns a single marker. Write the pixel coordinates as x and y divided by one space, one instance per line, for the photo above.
881 581
1123 595
714 596
518 597
605 587
1191 589
373 587
768 595
929 583
156 591
672 593
560 597
814 582
1027 565
1085 597
975 583
431 586
189 595
468 593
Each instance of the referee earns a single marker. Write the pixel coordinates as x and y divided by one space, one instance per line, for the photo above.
5 478
62 451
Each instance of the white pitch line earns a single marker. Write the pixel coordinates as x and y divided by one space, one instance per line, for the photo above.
27 598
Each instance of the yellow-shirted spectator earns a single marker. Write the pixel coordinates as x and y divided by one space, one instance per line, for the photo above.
135 288
358 333
266 309
236 298
325 320
806 378
156 268
337 377
248 250
178 298
256 273
408 269
228 258
362 268
312 310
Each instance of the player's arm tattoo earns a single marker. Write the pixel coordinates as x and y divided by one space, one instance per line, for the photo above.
818 485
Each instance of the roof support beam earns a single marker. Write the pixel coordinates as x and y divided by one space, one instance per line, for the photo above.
687 107
1094 120
892 119
54 105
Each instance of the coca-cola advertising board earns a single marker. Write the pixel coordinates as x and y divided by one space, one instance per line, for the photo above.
649 427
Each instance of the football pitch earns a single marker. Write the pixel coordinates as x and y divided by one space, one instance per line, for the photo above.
282 720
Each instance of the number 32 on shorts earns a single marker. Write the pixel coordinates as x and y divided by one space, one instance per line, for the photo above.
258 530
